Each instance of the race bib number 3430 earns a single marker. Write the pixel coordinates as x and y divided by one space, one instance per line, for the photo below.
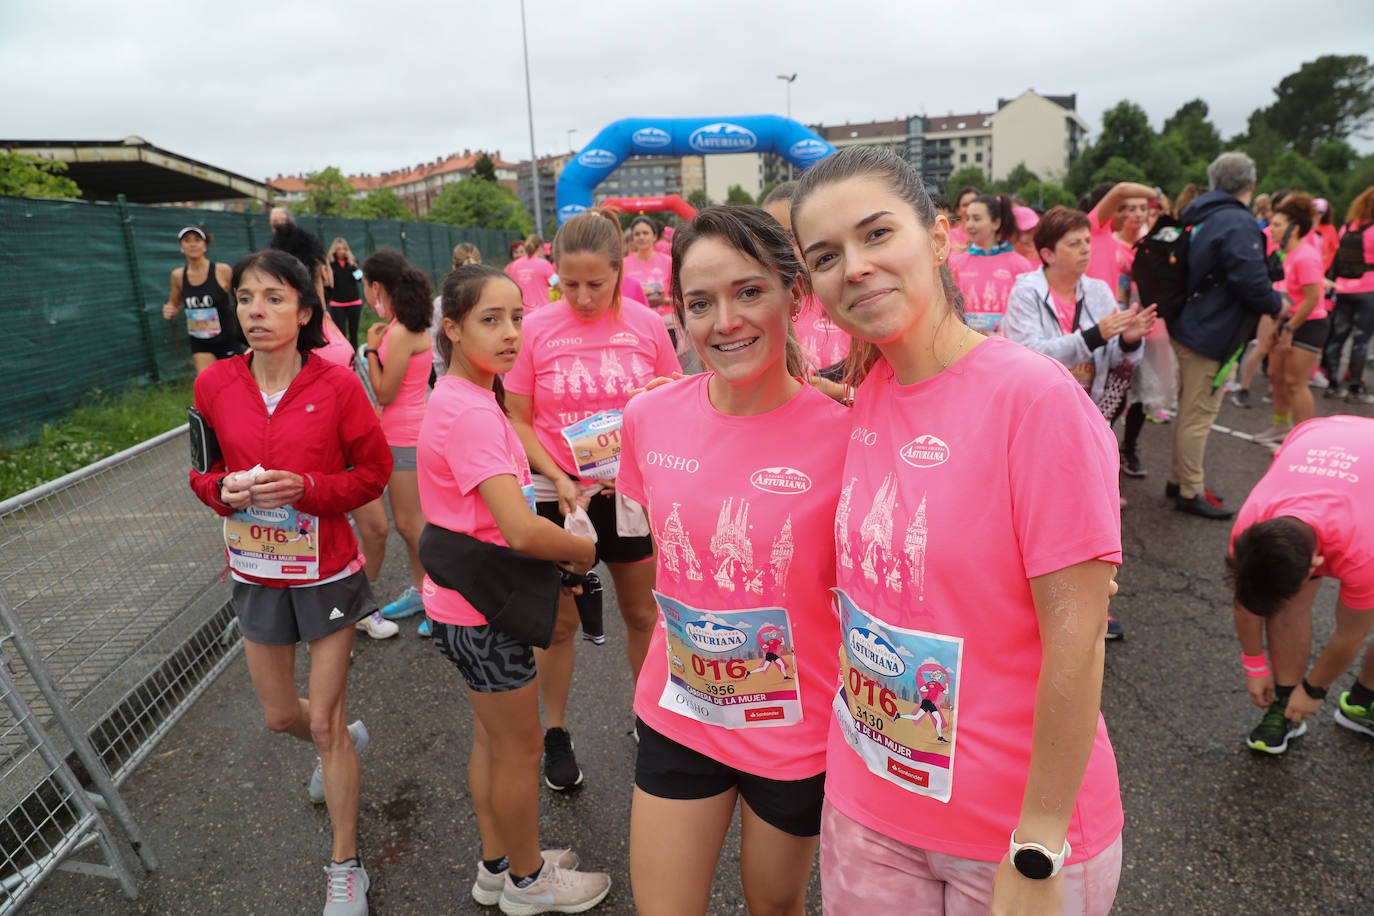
279 543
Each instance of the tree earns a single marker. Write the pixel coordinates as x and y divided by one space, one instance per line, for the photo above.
477 202
1330 98
380 203
327 192
1294 171
766 190
1126 135
1335 158
698 199
1117 169
737 195
966 176
1199 136
1017 178
32 176
1261 142
1045 194
484 168
1361 177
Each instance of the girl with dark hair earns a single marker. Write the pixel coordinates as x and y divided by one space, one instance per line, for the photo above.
988 268
582 356
202 288
475 480
310 418
967 195
652 269
345 301
912 823
741 513
399 364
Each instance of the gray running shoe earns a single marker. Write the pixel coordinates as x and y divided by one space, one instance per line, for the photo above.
346 893
358 732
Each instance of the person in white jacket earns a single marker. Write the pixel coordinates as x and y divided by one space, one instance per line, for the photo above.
1069 316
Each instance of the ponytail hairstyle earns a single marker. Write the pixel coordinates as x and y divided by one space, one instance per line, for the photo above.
409 289
284 267
466 253
902 180
756 235
1298 207
1001 209
534 246
591 232
460 294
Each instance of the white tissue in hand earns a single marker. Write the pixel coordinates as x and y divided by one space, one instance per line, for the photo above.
244 479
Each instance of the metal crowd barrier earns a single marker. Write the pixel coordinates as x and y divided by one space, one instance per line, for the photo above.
111 595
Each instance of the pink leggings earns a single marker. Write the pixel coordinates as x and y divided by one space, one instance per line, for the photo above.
863 871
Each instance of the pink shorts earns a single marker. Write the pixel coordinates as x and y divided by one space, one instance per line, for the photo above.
864 871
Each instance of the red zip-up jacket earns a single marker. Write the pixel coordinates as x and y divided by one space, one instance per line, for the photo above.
324 429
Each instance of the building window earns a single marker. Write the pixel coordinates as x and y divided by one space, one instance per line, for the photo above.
977 157
977 141
962 125
963 157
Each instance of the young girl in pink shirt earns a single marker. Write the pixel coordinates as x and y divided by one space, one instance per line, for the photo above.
988 269
1008 798
738 469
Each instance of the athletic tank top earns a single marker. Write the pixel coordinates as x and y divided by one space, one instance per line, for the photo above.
402 417
209 313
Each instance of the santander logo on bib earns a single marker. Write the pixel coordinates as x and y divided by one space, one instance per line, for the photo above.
714 637
925 452
875 651
597 158
722 137
780 480
652 137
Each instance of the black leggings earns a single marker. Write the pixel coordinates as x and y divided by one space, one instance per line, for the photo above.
1353 314
346 317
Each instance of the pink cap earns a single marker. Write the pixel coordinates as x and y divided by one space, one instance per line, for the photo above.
1026 218
1322 204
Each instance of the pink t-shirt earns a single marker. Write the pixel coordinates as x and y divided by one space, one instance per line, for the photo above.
741 509
631 289
958 237
1064 308
941 524
1317 477
573 368
336 347
986 281
1363 284
465 439
401 418
532 276
822 341
653 275
1108 263
1302 267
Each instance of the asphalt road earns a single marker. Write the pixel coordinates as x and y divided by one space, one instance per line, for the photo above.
1211 827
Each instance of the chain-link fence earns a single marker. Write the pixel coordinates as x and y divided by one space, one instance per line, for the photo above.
82 286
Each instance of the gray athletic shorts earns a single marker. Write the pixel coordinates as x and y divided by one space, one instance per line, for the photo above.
403 458
285 616
489 660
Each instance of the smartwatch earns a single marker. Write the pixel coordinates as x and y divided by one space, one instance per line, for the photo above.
1035 861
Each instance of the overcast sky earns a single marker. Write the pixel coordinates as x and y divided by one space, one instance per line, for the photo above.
262 88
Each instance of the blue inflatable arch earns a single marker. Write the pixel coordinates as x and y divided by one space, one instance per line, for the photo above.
681 137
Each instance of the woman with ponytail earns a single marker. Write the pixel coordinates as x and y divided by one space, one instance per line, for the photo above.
988 269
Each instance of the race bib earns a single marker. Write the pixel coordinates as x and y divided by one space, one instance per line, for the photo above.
897 704
595 444
279 543
1085 373
528 492
202 323
985 322
734 669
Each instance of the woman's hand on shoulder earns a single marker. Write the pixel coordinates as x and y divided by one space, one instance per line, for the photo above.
657 382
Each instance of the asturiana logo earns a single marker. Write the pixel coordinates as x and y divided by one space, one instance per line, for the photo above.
610 421
925 452
875 652
780 480
652 137
624 338
597 158
722 137
714 637
808 149
568 211
268 515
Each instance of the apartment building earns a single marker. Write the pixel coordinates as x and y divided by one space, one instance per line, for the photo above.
417 186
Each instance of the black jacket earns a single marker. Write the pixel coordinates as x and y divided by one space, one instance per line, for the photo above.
1228 246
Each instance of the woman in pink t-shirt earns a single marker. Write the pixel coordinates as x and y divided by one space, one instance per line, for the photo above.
652 268
1353 310
987 271
532 273
1299 341
583 356
399 365
474 480
1018 808
739 470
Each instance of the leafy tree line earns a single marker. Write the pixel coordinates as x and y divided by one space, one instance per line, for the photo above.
1300 140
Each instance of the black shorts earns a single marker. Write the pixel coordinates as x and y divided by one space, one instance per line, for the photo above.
1311 334
928 706
666 769
610 547
489 660
285 616
222 347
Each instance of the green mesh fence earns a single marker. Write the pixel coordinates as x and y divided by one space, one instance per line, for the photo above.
82 286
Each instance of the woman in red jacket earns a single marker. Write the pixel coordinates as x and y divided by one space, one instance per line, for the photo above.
301 446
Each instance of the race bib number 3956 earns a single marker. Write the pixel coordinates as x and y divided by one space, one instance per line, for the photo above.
898 703
273 543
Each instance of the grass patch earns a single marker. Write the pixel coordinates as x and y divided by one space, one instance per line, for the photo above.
102 425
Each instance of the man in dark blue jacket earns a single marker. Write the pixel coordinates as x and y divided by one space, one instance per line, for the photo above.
1230 289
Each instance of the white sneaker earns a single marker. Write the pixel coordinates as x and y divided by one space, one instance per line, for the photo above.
556 890
377 626
486 890
357 732
1271 436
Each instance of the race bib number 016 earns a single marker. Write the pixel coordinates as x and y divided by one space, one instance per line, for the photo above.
734 669
273 543
595 444
897 705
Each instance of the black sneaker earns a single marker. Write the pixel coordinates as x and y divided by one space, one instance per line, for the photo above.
561 771
1131 466
1203 507
1272 734
1241 397
1114 629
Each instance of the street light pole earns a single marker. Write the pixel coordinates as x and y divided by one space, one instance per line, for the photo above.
571 131
529 110
789 80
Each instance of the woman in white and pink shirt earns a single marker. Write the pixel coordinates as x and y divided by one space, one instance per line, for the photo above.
1009 798
739 470
652 268
582 357
988 269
